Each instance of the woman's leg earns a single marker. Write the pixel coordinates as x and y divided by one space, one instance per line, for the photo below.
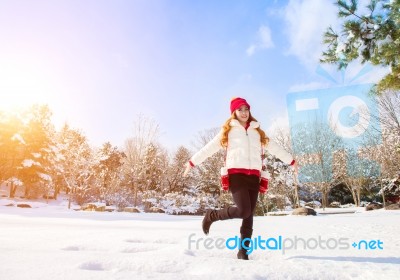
241 198
245 195
239 185
247 223
244 191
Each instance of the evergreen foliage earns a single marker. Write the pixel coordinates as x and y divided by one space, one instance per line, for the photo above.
373 37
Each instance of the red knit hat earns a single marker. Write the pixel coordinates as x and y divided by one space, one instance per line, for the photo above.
236 102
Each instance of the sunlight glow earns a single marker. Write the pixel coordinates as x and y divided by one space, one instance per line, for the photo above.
22 85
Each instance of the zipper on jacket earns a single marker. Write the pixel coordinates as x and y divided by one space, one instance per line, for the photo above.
248 146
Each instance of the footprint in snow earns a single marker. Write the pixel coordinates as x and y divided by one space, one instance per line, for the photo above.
135 241
73 248
138 250
94 265
157 241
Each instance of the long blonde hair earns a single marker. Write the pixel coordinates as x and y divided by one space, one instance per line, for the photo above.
227 127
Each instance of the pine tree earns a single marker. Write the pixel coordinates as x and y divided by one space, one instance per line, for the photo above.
11 150
374 38
107 171
176 182
152 171
35 168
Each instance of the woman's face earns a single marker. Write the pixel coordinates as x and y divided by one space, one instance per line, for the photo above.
242 114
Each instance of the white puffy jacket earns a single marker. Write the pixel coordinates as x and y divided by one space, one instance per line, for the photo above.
244 148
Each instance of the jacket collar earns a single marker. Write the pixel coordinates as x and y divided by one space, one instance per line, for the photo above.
253 124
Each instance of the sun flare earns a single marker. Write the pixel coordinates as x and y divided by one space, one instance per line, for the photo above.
22 86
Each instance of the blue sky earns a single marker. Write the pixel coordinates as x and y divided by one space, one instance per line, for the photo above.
98 64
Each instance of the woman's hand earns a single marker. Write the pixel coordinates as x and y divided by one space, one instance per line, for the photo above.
188 167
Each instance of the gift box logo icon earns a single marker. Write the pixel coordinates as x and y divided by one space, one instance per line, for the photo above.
343 113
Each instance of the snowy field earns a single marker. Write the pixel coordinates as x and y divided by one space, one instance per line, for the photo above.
51 242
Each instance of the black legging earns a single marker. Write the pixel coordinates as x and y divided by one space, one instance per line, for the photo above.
244 190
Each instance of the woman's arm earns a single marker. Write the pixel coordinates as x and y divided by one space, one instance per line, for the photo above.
208 150
274 149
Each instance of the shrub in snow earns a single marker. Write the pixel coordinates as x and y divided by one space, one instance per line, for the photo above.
272 202
121 199
176 203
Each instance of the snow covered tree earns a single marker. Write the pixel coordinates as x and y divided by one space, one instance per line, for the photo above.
152 172
373 36
317 143
389 108
281 136
145 131
176 182
360 172
11 150
207 175
77 164
37 134
107 171
281 186
391 189
385 150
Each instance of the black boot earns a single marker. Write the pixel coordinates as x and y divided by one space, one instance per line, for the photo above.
244 233
212 216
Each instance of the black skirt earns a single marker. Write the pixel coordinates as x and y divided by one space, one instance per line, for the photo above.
250 182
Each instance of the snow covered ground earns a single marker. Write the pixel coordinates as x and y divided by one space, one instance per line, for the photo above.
51 242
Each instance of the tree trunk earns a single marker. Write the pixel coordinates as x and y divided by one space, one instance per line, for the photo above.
383 195
353 194
56 191
13 189
135 200
296 197
324 196
27 190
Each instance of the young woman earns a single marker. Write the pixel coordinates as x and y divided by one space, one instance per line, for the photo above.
243 140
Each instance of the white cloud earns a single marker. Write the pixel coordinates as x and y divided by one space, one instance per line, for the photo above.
250 50
306 21
264 40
